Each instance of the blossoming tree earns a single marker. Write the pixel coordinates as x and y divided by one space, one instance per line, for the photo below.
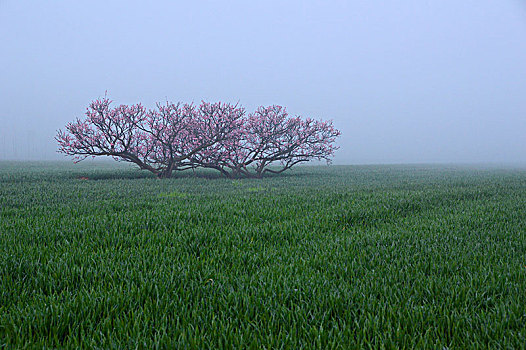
180 136
271 141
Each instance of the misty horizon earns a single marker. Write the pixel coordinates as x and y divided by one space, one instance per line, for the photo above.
434 82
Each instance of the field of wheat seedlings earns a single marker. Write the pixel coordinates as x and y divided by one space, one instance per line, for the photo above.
103 255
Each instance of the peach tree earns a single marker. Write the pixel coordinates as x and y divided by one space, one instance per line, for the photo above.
179 136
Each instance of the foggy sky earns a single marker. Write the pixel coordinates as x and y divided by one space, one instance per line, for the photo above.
405 81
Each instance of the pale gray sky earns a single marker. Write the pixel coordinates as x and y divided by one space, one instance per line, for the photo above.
405 81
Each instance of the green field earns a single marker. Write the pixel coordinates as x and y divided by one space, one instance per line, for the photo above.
320 257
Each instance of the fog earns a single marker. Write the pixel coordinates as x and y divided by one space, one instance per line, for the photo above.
405 81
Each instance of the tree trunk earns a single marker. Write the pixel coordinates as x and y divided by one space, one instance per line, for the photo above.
165 174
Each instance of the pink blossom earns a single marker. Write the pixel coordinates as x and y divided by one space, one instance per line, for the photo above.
212 135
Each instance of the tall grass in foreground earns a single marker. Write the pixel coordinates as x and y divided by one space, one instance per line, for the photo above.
339 257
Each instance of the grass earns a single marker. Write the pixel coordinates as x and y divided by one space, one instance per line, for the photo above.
99 255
